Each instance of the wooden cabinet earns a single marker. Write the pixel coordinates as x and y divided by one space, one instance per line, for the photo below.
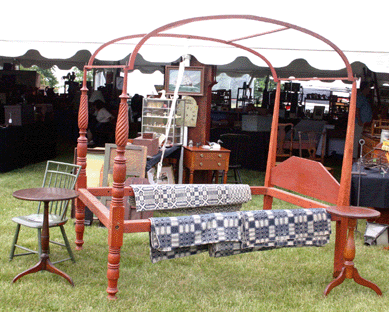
198 158
27 78
19 115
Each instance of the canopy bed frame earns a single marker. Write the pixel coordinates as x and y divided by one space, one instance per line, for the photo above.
303 176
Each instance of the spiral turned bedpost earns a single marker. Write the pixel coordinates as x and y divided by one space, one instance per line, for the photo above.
82 145
115 228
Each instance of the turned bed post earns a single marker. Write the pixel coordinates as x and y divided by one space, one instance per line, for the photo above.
271 158
345 183
82 145
116 213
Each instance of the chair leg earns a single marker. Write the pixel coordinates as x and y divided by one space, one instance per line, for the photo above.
235 176
15 240
65 238
239 178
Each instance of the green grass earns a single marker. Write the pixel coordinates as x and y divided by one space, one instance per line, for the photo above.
277 280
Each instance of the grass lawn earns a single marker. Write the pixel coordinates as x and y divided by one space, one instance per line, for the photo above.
278 280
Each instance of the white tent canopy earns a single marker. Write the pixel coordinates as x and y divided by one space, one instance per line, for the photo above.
66 41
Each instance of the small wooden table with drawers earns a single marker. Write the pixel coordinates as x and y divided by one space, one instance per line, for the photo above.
198 158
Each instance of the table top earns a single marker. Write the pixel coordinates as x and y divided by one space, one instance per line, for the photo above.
45 194
201 149
353 212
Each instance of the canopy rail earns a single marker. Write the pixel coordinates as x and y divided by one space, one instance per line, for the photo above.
261 34
181 36
314 78
88 67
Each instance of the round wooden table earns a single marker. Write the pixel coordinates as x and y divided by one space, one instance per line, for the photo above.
351 214
46 195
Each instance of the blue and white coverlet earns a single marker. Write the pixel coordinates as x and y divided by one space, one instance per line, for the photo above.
190 198
230 233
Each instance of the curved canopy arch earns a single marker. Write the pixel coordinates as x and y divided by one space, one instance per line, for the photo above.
160 32
286 26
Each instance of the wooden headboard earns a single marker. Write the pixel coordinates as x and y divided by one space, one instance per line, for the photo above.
306 177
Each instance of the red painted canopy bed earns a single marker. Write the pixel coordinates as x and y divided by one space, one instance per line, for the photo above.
302 176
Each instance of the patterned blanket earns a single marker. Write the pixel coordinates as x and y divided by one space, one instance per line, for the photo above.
230 233
190 198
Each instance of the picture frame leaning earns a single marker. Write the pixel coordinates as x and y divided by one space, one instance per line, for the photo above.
136 159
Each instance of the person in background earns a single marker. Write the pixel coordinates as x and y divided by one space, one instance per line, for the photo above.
363 114
136 107
100 122
103 116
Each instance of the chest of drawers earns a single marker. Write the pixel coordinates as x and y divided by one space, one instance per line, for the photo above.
198 158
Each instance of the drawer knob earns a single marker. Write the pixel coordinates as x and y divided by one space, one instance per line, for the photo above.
201 155
201 164
220 155
219 164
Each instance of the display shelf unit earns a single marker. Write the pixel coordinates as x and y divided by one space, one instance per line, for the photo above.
339 106
221 100
155 115
243 97
291 97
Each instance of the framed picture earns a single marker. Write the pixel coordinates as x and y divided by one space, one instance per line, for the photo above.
192 81
136 158
318 112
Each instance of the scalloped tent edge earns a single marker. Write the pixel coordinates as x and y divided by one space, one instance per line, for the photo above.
240 66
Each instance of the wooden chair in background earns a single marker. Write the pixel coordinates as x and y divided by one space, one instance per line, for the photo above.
285 140
236 143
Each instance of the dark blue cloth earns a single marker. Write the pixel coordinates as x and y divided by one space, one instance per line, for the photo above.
364 108
372 186
170 152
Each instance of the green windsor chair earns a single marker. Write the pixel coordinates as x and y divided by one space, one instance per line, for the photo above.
57 174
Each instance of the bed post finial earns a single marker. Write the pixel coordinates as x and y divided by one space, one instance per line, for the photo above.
82 145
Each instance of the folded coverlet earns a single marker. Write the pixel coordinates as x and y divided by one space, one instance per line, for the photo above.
190 198
230 233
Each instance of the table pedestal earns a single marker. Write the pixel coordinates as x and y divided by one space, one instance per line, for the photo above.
350 215
45 263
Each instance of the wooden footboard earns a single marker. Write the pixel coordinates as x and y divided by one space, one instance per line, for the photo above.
306 177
